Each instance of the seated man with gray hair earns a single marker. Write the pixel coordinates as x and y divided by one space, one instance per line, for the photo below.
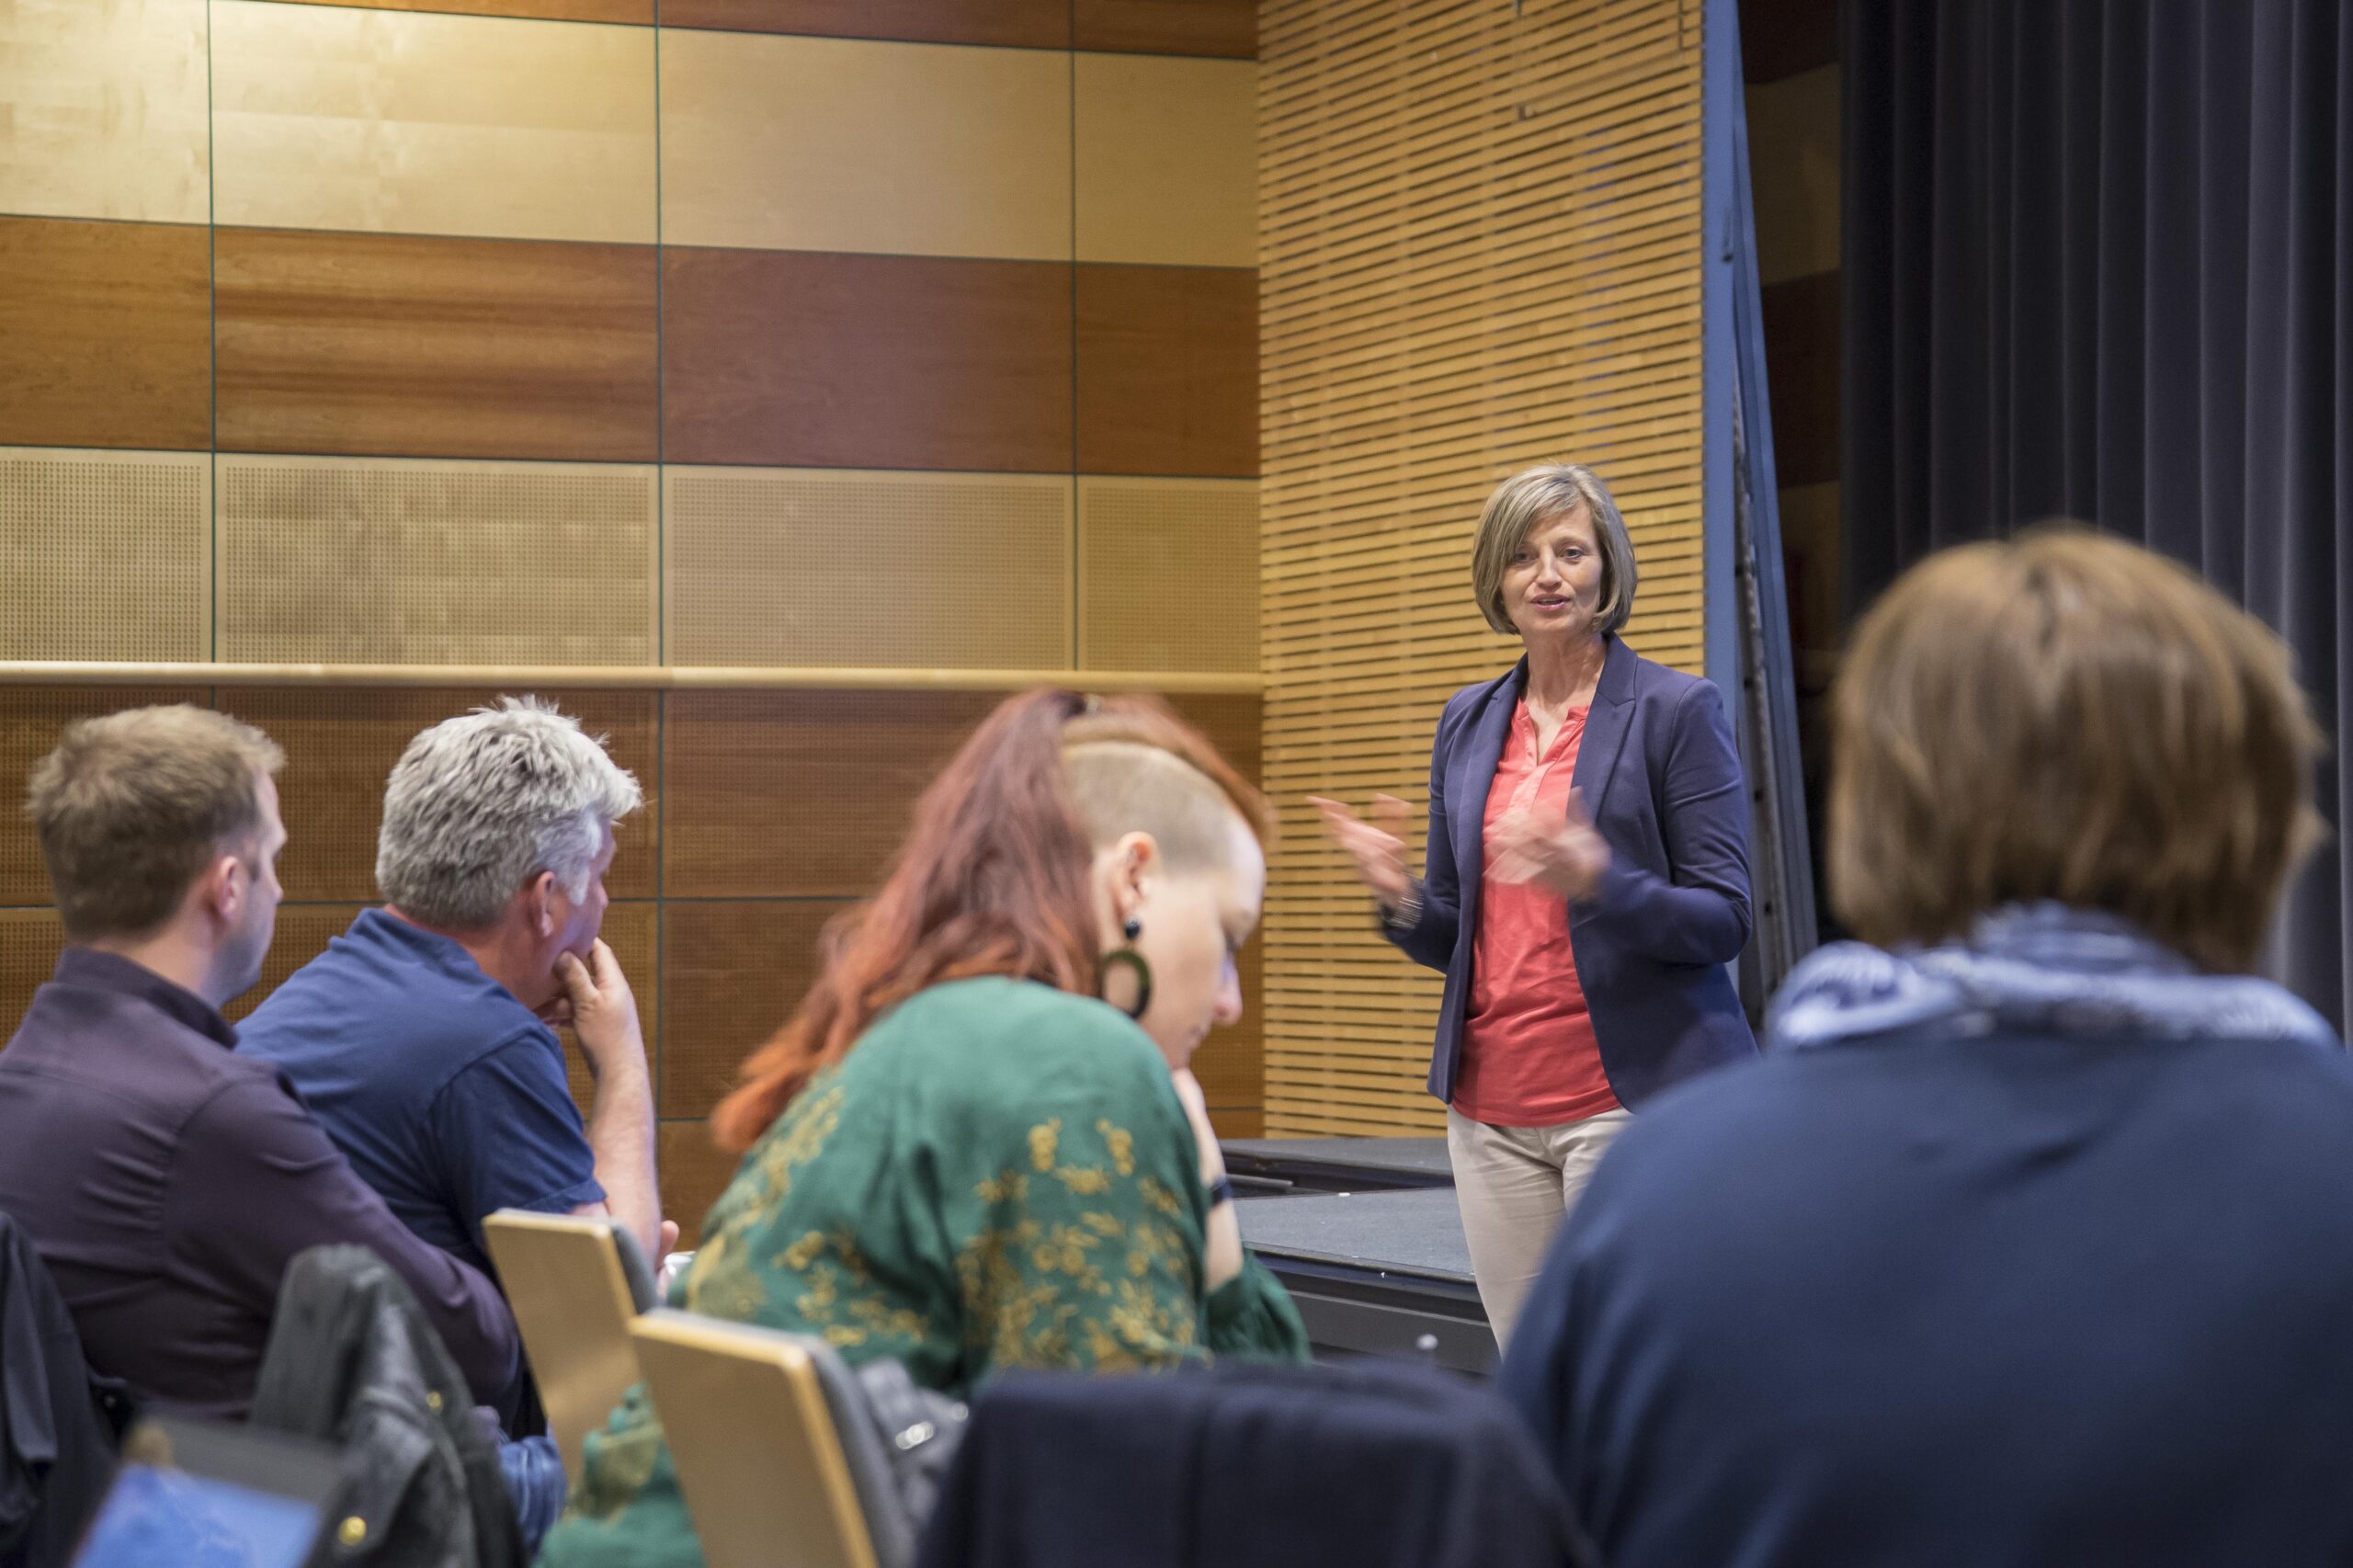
421 1038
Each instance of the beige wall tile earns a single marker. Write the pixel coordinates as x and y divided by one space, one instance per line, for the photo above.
1793 161
102 106
407 122
1168 575
105 555
1168 160
831 566
844 144
380 561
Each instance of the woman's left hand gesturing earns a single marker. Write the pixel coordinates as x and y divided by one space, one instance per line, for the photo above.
1556 849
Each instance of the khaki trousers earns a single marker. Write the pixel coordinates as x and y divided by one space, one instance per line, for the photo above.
1515 1185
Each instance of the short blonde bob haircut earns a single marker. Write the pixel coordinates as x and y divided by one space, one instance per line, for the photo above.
1537 496
2066 717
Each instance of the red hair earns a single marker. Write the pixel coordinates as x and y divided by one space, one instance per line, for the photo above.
993 879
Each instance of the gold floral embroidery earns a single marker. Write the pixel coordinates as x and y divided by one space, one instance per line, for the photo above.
1122 1146
1042 1144
1086 1180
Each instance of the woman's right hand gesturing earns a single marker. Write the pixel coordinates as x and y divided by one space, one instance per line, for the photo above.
1378 847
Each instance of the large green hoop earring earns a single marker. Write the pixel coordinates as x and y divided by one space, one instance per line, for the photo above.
1129 958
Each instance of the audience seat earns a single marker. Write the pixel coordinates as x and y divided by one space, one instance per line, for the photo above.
575 1284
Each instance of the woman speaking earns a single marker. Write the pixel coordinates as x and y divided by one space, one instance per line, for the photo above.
1586 884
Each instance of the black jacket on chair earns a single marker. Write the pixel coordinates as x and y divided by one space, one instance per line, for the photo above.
352 1361
56 1440
1247 1466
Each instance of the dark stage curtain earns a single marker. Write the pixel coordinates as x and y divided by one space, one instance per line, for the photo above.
2099 264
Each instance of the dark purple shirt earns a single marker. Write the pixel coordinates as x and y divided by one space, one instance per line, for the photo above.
167 1183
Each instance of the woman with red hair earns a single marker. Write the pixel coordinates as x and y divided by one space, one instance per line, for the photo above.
978 1142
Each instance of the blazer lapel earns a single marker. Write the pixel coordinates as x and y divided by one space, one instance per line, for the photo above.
1606 725
1474 775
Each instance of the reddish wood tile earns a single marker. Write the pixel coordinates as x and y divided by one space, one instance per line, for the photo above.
104 335
1169 371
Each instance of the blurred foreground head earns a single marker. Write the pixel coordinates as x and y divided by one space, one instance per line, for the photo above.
2066 717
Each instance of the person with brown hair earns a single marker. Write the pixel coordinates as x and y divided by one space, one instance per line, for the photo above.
2030 1239
978 1143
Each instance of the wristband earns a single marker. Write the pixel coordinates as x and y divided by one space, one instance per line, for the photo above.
1220 1191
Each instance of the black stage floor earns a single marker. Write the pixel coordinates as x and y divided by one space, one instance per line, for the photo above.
1365 1234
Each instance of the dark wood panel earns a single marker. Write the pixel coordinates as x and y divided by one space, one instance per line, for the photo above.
1238 1121
1233 725
340 747
1781 38
303 932
1167 371
31 719
634 931
30 941
732 973
799 793
399 345
804 358
637 11
104 335
1028 24
1227 27
693 1174
1801 339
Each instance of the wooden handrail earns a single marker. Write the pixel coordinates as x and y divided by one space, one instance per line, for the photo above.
654 677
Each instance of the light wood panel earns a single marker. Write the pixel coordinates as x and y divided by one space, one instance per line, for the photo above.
1481 249
732 971
640 12
102 110
405 121
801 794
802 566
1031 23
1165 149
436 348
1167 371
865 361
341 745
31 719
105 555
841 144
104 335
1228 28
346 560
1168 574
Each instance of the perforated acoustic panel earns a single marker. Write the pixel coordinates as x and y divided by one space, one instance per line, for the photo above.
733 971
809 566
31 719
302 933
1481 250
363 560
1168 574
105 555
30 940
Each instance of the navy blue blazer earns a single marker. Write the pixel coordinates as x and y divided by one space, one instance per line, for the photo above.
1661 780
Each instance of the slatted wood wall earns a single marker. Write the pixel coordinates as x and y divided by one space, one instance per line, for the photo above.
1480 231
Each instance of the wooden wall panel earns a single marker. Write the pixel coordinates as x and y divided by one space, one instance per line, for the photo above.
1481 252
104 335
436 348
732 971
1167 371
105 555
693 1174
340 747
799 793
840 144
31 719
353 561
1164 153
331 118
831 566
1022 24
102 111
865 361
303 932
634 931
1228 28
1802 351
638 12
1168 575
30 941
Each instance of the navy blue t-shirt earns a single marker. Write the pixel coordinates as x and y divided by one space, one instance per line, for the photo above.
446 1094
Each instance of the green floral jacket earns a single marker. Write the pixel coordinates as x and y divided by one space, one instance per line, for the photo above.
1000 1175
